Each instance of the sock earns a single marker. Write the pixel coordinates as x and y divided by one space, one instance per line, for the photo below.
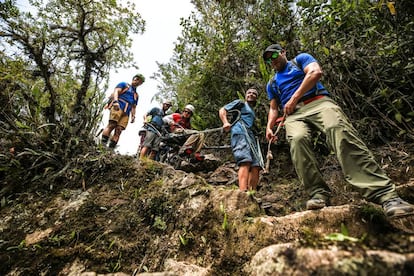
112 144
104 139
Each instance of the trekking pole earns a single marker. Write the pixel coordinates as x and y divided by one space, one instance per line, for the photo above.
99 132
269 154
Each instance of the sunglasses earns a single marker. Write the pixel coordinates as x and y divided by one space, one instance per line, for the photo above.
187 111
275 55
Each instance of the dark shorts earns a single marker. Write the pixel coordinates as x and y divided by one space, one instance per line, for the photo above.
241 150
152 141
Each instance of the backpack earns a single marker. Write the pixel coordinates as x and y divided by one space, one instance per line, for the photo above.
108 103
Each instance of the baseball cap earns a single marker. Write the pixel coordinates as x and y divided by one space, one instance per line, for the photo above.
271 49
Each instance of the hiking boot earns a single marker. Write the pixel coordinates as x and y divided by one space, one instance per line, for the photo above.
197 158
396 207
186 152
104 140
315 204
112 144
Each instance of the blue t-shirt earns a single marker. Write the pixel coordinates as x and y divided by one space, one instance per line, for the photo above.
247 116
156 114
285 83
129 97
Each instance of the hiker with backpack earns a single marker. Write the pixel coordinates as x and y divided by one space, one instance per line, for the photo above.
154 126
244 144
121 104
296 89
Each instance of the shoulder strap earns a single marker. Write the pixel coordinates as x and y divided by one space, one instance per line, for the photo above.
295 62
124 90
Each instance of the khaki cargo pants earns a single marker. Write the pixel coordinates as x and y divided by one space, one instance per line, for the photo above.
357 162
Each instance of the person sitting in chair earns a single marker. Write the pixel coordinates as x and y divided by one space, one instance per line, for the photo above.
180 123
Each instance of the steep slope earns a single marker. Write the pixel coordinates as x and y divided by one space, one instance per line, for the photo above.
129 217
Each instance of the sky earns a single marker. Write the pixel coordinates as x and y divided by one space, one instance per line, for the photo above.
155 45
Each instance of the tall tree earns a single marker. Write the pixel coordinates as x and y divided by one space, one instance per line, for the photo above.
218 55
365 48
55 61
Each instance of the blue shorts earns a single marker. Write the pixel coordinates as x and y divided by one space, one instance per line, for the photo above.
241 150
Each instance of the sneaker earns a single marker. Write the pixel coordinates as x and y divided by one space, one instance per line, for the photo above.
199 157
185 153
396 207
315 204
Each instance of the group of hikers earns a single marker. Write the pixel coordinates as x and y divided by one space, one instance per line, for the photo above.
158 126
294 90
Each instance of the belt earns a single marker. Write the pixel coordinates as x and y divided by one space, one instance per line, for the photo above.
317 97
307 101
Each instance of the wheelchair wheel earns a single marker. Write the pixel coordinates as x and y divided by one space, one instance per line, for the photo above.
175 161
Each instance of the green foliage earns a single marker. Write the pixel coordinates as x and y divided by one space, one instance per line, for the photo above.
54 71
159 223
364 47
216 57
115 266
225 224
343 236
366 50
186 238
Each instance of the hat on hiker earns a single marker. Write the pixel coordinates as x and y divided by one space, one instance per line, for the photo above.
190 107
167 102
140 76
271 49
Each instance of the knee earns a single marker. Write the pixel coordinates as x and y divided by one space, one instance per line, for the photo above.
118 130
111 125
298 137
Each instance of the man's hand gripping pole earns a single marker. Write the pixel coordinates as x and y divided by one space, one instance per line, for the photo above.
269 154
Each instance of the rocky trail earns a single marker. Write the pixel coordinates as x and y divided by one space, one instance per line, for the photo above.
125 217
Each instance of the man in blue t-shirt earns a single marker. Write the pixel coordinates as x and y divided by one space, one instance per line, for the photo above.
123 102
244 144
296 90
154 125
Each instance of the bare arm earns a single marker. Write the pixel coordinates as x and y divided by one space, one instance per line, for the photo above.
271 119
117 90
223 118
133 110
313 73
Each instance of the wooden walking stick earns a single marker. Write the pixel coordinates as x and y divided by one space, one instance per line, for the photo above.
269 154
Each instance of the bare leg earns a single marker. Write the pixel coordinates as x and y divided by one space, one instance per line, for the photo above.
117 134
243 175
107 131
143 152
253 178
